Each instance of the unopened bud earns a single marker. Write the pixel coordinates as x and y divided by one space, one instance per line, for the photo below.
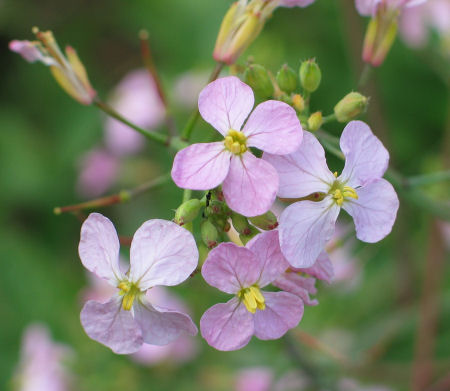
240 224
298 102
310 75
267 221
315 121
209 234
256 76
287 79
246 238
187 211
350 106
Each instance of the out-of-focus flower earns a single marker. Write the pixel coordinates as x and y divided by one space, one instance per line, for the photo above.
136 98
417 23
41 366
352 385
242 24
254 379
68 70
243 272
162 253
98 171
249 184
187 87
306 226
382 28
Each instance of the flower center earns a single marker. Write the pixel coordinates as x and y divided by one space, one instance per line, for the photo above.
129 291
339 192
236 142
252 298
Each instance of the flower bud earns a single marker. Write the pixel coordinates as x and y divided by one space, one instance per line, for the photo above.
287 79
350 106
315 121
310 75
209 233
67 70
187 211
257 77
267 221
241 224
298 102
246 238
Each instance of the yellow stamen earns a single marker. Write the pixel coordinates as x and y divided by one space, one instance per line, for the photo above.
235 142
335 174
337 195
129 292
350 192
252 298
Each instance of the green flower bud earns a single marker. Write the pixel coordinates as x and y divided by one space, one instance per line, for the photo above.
209 234
241 224
246 238
257 77
187 211
310 75
298 102
350 106
267 221
287 79
315 121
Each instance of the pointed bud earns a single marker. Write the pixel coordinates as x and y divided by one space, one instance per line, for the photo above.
287 79
298 102
350 106
257 77
310 75
315 121
187 211
246 238
267 221
209 233
241 224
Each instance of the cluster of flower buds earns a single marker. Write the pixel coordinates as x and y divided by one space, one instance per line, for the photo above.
67 70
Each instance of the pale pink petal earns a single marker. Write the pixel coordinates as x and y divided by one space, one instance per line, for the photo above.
300 286
30 52
112 326
266 247
227 326
304 228
295 3
303 172
225 103
367 7
162 253
161 326
274 127
283 312
251 185
201 166
375 210
322 268
230 268
366 158
412 27
99 248
254 379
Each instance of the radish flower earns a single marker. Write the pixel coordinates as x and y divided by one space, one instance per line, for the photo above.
243 272
249 184
306 226
162 253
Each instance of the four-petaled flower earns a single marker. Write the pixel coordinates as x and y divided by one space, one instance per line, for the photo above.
306 226
162 253
249 184
244 271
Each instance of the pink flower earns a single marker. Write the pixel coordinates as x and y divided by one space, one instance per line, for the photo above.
369 7
294 281
98 171
295 3
162 253
306 226
42 362
254 379
249 184
243 271
137 99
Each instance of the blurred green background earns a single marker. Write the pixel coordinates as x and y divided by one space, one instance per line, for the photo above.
43 132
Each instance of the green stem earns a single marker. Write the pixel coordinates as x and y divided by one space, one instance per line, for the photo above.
329 118
365 75
429 179
121 197
187 131
187 194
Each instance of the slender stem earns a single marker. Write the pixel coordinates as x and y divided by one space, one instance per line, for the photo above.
159 138
121 197
187 131
429 179
187 195
329 118
365 75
